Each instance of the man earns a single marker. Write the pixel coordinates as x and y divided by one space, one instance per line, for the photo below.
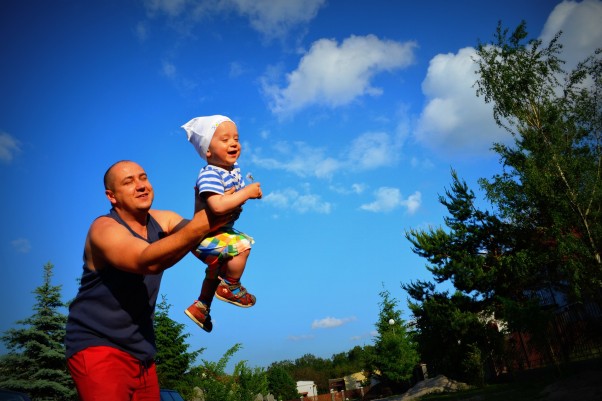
110 341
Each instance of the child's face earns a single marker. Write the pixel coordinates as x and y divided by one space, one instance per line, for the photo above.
224 147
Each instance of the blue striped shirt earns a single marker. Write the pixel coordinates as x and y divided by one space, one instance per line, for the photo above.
218 180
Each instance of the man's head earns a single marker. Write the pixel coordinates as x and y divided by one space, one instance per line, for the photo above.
127 186
200 131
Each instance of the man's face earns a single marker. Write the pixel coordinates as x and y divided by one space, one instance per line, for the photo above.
129 187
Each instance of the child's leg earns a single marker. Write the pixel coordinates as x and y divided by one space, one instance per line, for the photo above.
230 289
235 267
211 281
199 310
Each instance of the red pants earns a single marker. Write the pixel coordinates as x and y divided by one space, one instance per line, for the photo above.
106 373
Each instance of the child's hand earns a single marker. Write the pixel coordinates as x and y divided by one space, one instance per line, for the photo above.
254 190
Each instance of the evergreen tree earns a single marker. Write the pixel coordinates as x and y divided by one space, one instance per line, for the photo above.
395 354
36 362
490 264
280 382
173 358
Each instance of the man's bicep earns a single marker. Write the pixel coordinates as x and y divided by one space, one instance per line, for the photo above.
113 244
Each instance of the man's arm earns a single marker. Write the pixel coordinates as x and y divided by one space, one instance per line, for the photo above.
109 243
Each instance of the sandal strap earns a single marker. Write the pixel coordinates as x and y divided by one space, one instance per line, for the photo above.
239 294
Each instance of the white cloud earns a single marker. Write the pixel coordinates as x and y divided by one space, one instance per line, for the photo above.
21 245
276 18
389 199
299 159
423 164
580 26
413 202
455 121
302 337
333 75
301 203
367 152
171 8
355 189
364 336
236 70
372 150
169 69
330 322
272 19
9 146
141 31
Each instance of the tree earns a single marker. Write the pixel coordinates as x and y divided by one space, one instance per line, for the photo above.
490 264
216 385
355 360
316 369
173 358
251 381
36 362
280 382
552 180
395 355
545 229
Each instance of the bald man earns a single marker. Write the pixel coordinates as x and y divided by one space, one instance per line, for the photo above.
110 340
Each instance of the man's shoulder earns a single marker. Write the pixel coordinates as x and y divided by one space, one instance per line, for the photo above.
104 225
167 219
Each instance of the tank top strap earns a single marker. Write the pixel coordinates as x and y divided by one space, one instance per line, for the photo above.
154 230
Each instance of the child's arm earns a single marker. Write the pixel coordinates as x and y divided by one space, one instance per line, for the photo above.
226 203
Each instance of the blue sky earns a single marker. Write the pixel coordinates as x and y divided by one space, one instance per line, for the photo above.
351 115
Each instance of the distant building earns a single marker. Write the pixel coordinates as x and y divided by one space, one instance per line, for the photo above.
307 388
350 382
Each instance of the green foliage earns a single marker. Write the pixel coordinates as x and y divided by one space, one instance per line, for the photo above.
353 361
320 370
280 382
173 358
473 366
395 355
36 363
551 186
250 381
216 385
545 230
475 254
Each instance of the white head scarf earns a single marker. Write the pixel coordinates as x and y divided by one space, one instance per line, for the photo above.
200 130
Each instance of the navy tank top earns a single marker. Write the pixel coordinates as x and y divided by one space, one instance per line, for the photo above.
116 308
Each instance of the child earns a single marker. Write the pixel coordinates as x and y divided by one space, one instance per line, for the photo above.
222 189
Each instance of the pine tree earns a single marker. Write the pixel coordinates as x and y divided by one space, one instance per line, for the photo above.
173 358
36 362
395 355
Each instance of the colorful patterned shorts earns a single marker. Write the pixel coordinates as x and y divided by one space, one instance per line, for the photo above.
215 249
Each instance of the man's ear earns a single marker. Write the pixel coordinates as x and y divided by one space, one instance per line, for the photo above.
208 154
110 196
